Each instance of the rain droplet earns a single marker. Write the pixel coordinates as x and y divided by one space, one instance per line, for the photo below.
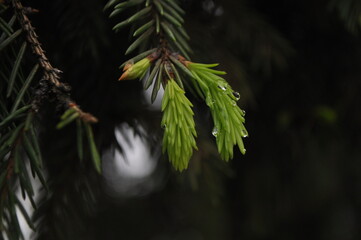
222 87
244 113
236 95
234 103
244 150
164 126
244 133
215 132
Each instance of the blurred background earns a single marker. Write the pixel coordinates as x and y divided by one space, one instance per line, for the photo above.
297 66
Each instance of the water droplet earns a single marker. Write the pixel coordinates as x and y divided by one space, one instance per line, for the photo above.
222 87
244 113
215 132
164 126
244 133
234 103
236 95
244 150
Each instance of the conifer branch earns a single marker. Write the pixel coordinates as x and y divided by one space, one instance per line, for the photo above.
178 125
19 145
50 82
170 63
50 73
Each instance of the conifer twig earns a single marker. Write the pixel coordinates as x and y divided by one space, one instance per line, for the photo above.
50 74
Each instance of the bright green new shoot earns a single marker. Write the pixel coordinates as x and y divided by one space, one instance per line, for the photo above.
179 127
222 100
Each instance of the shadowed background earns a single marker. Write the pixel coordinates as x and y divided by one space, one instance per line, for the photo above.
297 66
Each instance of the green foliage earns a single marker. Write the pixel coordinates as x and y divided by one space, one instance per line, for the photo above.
307 121
137 70
83 121
158 27
179 127
222 100
93 149
155 22
69 116
19 108
19 146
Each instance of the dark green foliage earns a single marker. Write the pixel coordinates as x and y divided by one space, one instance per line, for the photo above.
19 106
19 145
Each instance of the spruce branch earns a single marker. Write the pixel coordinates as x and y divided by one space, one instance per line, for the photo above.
19 147
159 27
18 141
50 73
178 124
50 82
83 121
228 118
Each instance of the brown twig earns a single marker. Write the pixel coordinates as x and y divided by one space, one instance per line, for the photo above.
85 117
50 74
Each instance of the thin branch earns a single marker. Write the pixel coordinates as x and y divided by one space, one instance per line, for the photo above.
51 74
